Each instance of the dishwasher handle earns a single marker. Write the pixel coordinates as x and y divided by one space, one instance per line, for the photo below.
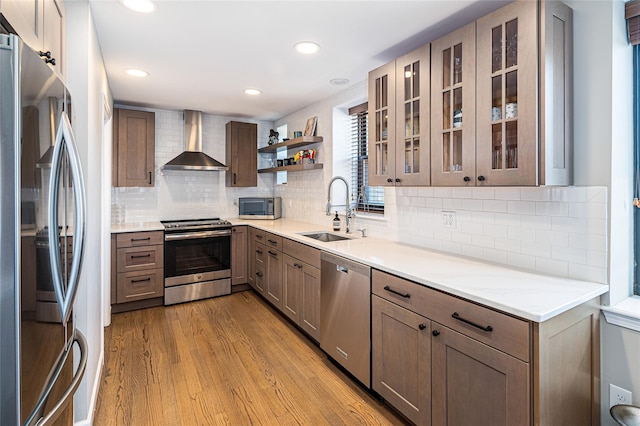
341 268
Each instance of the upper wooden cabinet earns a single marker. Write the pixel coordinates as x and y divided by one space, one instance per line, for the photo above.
40 24
242 154
133 148
453 101
399 105
524 99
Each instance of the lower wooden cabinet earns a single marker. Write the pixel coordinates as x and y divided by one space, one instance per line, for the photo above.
287 274
442 360
239 261
474 384
274 282
137 268
401 368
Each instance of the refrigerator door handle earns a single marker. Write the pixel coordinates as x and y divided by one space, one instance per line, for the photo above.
65 141
37 418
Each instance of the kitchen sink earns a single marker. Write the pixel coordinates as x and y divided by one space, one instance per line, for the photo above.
324 236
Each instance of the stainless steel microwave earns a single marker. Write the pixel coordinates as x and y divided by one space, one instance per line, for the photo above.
260 208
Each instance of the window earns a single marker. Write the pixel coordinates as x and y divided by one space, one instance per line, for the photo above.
369 198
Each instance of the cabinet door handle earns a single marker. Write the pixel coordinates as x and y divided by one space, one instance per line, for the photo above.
141 239
457 316
398 180
259 274
134 256
389 180
46 54
297 266
141 280
234 179
259 237
51 61
481 178
273 242
422 326
435 333
273 253
259 251
466 179
405 295
150 178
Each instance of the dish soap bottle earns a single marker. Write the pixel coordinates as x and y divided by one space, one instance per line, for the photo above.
336 223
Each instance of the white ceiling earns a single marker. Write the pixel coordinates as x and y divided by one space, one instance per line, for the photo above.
202 54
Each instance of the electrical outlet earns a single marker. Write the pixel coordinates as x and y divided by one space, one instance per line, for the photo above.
448 219
618 396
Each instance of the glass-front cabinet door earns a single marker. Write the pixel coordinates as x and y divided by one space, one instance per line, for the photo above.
507 136
382 108
412 118
453 139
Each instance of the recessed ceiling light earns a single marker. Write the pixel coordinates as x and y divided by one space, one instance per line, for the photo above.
144 6
339 81
252 91
136 73
307 47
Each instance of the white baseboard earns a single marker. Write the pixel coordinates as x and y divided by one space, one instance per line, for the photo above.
94 395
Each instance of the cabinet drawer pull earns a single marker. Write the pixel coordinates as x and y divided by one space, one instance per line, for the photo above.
422 326
259 251
488 328
297 266
141 280
137 256
259 237
141 239
405 295
273 242
273 253
259 274
435 333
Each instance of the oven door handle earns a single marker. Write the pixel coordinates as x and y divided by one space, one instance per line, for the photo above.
194 235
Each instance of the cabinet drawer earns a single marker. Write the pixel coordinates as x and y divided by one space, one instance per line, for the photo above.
257 235
139 285
260 254
136 239
273 241
501 331
139 258
302 252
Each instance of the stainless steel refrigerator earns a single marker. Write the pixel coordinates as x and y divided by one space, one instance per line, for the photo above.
42 227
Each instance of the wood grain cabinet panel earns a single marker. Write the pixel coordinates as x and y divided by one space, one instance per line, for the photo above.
239 253
134 148
274 273
137 270
401 359
474 384
241 154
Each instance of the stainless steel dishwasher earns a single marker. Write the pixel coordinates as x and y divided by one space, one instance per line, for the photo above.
345 314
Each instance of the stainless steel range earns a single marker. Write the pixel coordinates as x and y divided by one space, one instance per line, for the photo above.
197 259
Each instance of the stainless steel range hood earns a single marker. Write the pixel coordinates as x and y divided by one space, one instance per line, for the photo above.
193 158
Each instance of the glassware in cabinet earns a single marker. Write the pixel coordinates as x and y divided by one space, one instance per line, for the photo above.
453 108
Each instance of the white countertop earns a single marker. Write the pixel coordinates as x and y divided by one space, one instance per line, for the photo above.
525 294
137 227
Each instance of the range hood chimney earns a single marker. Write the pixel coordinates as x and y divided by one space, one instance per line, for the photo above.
192 158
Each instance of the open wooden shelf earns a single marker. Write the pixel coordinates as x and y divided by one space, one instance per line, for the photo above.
292 143
292 168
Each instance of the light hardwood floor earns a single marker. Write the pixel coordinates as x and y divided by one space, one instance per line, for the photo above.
229 360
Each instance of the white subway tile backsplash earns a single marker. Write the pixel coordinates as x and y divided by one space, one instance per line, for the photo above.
551 230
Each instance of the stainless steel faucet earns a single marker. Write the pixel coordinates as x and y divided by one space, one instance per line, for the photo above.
349 212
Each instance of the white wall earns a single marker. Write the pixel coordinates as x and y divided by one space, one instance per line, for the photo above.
87 81
603 69
190 194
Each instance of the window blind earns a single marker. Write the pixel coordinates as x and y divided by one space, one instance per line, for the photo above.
367 198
